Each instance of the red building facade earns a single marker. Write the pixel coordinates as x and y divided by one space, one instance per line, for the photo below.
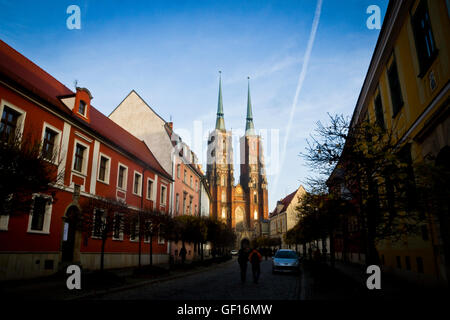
95 157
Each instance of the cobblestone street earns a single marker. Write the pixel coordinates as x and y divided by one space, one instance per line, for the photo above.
220 282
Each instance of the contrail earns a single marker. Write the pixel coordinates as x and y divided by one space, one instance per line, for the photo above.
301 78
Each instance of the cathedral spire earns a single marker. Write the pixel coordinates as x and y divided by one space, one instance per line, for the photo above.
220 122
249 127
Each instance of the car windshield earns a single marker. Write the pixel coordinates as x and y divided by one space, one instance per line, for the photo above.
286 255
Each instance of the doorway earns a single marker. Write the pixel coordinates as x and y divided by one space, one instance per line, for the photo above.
69 231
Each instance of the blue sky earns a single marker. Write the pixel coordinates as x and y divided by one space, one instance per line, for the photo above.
170 53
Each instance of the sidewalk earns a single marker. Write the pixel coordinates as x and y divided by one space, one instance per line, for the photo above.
54 287
392 287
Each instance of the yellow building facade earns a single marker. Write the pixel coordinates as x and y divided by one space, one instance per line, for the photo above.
406 89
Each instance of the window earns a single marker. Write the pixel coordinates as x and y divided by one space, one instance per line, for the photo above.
196 211
160 237
407 263
396 91
196 185
79 158
190 205
40 214
255 197
148 230
419 261
134 230
224 196
224 214
4 221
423 36
103 174
122 177
379 114
149 189
117 228
82 108
184 202
137 185
255 215
178 171
99 221
177 203
163 195
48 145
424 233
9 123
185 176
190 182
399 262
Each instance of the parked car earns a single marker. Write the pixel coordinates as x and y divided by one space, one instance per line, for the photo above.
285 260
234 252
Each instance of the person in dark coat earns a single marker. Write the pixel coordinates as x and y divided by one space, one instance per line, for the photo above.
183 254
242 260
255 259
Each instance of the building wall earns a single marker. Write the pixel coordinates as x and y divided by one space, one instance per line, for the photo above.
420 122
135 116
25 253
184 187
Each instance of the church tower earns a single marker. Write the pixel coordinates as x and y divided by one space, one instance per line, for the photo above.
253 174
219 170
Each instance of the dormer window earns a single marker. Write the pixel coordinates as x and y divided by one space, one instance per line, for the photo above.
82 105
82 108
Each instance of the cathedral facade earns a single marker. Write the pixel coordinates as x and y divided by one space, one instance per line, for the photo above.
242 206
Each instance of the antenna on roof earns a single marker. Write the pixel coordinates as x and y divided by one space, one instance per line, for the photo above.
170 118
75 83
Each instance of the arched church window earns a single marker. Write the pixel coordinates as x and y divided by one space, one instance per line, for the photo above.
255 215
224 213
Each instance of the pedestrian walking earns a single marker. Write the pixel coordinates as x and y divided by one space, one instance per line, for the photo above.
255 259
242 260
183 254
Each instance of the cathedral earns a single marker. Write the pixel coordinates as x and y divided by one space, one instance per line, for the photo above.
243 206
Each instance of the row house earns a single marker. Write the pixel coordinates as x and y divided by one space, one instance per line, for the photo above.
138 117
285 215
96 158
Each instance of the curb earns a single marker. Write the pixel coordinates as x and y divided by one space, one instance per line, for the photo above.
141 284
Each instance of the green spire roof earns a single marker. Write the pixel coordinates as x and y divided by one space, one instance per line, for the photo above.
249 127
220 122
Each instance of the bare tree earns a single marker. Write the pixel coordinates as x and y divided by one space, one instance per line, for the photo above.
365 163
27 166
101 218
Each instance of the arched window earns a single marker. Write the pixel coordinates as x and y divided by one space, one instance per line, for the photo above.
255 197
224 213
239 219
255 215
224 196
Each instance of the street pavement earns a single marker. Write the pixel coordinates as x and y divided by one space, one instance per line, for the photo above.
217 283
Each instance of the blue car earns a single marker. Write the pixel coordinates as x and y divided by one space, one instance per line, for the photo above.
285 260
